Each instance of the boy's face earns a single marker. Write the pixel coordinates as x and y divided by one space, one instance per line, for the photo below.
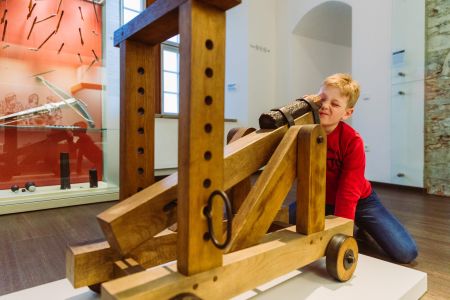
333 108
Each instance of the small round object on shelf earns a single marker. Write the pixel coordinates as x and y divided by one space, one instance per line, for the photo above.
30 186
15 188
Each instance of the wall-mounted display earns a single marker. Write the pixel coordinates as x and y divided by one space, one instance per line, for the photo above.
50 91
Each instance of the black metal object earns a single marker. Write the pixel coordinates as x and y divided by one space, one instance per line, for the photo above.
287 114
93 180
15 188
64 165
349 259
30 186
207 213
314 109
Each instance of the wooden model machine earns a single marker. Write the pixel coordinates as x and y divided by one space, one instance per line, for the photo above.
207 257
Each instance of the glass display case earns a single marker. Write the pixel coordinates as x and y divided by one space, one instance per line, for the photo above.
56 120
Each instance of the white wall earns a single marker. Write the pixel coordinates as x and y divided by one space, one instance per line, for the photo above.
311 61
371 49
251 60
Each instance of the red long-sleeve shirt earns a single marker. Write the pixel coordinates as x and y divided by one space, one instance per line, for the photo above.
346 162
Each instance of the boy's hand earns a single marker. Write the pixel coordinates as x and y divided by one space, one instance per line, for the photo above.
317 99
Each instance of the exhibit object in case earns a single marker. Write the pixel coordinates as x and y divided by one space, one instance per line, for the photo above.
50 92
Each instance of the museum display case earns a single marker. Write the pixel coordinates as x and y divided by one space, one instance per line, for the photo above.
53 112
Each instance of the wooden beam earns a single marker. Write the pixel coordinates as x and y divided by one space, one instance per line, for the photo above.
159 21
141 216
95 263
139 77
133 221
90 264
201 129
279 253
312 162
239 192
264 200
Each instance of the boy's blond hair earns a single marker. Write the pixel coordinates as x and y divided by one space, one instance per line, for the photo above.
348 87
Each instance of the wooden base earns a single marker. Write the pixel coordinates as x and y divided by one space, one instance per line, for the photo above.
279 253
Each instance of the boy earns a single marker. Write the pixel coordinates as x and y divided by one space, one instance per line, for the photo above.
348 193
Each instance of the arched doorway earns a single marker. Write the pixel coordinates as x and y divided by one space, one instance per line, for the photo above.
322 45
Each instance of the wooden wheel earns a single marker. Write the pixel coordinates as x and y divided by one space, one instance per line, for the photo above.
342 257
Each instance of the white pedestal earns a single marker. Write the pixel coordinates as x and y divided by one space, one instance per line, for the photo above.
373 279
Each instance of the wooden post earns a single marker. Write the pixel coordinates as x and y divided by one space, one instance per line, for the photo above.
139 81
311 175
201 127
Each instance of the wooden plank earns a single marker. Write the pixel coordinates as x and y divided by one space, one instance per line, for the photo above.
246 155
201 128
126 267
264 200
311 164
279 253
159 21
96 262
138 93
90 264
141 216
156 251
138 218
239 192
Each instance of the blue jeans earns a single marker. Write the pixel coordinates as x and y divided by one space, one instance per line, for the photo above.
372 217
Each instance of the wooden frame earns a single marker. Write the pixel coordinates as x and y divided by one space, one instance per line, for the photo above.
136 229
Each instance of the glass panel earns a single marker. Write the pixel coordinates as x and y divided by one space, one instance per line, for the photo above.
52 93
170 103
175 39
170 59
133 4
128 15
170 82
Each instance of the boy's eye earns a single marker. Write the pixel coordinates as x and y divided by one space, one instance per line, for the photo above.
335 104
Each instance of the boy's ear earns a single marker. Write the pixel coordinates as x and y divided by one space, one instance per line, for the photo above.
348 113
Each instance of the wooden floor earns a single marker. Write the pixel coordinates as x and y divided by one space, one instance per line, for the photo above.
32 246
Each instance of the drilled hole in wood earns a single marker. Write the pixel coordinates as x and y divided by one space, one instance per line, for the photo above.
208 100
207 155
141 130
141 90
141 111
215 278
140 150
209 72
141 70
195 286
208 127
140 170
209 44
206 183
206 236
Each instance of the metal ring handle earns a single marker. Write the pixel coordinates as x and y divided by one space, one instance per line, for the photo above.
207 213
